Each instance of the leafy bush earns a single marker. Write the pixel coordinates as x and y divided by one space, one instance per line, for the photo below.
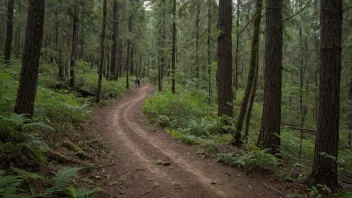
252 159
89 81
184 137
24 144
178 108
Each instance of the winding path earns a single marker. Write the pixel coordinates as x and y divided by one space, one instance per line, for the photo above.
136 146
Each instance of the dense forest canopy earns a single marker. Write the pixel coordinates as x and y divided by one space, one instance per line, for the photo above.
269 74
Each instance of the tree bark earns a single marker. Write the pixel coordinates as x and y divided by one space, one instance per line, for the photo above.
58 48
102 53
31 56
9 31
327 138
128 54
210 93
235 80
121 61
74 46
251 99
251 75
269 136
132 55
224 53
81 50
350 117
197 41
173 67
114 51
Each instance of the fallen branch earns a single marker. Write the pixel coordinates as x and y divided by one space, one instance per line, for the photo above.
277 191
266 185
123 174
73 147
107 165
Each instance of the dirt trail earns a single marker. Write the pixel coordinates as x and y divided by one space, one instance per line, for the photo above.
136 146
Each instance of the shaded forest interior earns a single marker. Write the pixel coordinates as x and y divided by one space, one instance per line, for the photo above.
270 80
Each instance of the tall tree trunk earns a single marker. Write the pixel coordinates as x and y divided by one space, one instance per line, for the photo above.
131 47
251 99
160 55
9 31
350 111
140 65
81 52
235 78
197 41
31 56
173 67
251 75
269 136
128 54
210 92
132 54
327 137
114 51
58 48
224 52
163 37
74 46
127 64
120 63
102 54
301 78
316 45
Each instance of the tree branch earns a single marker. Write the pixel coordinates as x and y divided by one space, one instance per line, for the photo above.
297 12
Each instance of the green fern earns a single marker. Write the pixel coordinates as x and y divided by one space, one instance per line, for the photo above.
9 185
27 175
73 192
64 176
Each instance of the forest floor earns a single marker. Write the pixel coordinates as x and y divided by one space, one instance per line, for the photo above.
144 160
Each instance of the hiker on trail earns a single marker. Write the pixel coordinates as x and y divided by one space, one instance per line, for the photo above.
137 81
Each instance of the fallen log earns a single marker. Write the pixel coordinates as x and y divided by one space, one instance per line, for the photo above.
71 146
85 93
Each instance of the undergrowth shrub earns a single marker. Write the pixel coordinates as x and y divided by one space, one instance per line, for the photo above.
250 159
19 140
88 81
60 184
178 108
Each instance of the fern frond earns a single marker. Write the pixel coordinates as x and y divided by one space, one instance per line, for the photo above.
85 193
64 176
38 124
26 175
9 185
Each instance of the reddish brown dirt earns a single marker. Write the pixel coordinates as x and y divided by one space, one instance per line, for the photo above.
132 170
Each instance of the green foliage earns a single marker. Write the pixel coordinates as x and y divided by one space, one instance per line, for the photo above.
250 160
88 81
26 175
10 184
184 137
64 176
179 108
21 144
